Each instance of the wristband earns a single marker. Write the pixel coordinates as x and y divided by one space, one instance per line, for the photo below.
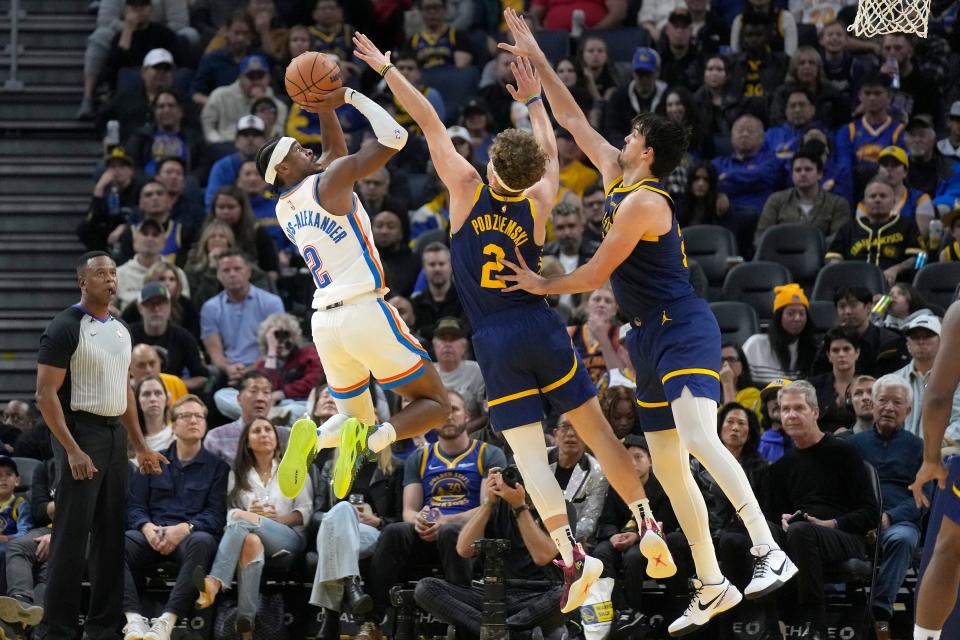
533 99
518 510
383 70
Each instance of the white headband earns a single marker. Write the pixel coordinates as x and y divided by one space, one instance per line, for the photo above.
279 153
500 180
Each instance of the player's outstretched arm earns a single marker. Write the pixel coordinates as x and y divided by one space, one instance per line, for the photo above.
544 191
453 169
333 143
602 154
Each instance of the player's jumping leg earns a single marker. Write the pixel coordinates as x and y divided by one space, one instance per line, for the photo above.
696 420
940 583
713 594
595 431
580 571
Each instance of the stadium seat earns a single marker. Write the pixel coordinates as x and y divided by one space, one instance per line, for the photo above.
798 247
710 246
454 84
428 237
753 283
555 44
823 315
738 321
621 43
937 282
846 274
26 467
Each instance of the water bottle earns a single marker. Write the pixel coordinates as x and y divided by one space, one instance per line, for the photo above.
429 515
578 21
936 234
895 77
113 200
920 261
112 138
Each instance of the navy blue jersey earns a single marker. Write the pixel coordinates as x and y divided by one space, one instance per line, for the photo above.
655 273
496 227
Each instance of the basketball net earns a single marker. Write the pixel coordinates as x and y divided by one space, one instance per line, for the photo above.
881 17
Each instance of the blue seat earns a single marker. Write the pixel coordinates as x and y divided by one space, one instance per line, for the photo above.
621 43
454 84
555 43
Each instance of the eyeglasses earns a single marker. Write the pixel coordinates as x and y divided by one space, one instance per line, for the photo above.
730 359
189 416
564 426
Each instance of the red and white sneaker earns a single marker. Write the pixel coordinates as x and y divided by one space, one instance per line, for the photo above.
653 547
578 578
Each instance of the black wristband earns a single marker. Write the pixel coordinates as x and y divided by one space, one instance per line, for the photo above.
518 510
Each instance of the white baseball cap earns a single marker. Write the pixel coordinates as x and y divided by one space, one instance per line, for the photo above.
248 122
158 56
927 321
457 131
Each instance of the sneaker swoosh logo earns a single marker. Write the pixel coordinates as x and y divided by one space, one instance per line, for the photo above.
780 570
704 607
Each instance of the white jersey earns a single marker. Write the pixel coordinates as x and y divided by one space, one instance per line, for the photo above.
338 250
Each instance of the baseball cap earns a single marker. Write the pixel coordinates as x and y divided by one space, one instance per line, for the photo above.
150 223
474 105
251 123
10 463
955 109
156 57
896 153
254 62
118 156
920 121
263 103
789 294
153 290
645 59
928 321
457 132
772 388
449 327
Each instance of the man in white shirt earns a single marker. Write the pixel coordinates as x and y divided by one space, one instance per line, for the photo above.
923 343
463 376
148 240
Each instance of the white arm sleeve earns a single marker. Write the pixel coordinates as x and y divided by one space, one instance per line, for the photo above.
388 132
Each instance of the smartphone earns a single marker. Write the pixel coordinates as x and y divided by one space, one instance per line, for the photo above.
798 516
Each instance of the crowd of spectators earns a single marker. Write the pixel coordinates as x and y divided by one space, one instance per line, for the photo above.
792 121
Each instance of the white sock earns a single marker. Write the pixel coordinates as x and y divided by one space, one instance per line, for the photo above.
328 434
919 633
169 617
132 617
642 513
563 538
382 438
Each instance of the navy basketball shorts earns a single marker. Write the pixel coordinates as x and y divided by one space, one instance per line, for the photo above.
952 495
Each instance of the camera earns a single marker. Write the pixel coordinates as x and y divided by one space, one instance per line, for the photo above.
511 476
282 334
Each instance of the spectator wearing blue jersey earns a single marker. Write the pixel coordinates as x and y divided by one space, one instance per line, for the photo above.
14 509
787 139
836 174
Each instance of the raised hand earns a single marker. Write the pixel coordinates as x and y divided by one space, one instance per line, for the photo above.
525 44
528 85
369 53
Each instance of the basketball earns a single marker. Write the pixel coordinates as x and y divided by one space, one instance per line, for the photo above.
311 73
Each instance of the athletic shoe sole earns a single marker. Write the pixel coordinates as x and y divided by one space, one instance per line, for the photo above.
353 439
725 605
301 450
592 568
14 611
660 562
788 572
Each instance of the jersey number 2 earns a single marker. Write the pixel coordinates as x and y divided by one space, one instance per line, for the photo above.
320 277
487 280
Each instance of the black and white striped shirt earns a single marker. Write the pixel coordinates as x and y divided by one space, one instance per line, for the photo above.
96 355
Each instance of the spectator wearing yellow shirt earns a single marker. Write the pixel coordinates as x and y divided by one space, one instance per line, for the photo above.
574 174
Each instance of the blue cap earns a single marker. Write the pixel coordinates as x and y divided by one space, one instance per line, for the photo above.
645 59
254 62
7 461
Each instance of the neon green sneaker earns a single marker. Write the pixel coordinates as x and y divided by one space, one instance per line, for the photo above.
351 455
296 461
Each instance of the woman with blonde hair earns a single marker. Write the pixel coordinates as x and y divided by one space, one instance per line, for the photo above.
806 71
201 269
596 336
231 205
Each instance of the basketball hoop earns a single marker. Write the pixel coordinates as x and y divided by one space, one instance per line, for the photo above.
881 17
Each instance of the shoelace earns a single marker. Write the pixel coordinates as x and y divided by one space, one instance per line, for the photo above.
694 600
760 565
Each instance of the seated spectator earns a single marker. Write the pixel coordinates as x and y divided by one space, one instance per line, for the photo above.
598 14
618 535
787 351
842 67
528 559
391 236
581 87
457 373
152 401
787 138
374 193
231 342
574 174
230 205
331 35
349 532
596 336
166 135
269 36
182 311
911 204
293 367
773 442
698 204
263 204
917 93
718 99
265 109
130 102
923 343
250 136
747 177
26 558
15 517
927 166
256 401
951 224
806 202
861 402
155 204
182 351
759 67
261 523
736 380
599 70
550 267
896 454
112 204
186 199
842 347
906 303
498 99
579 475
148 240
438 43
227 104
476 118
821 495
780 23
641 94
18 416
439 299
858 145
680 60
145 363
860 239
678 106
407 63
176 517
220 67
619 407
593 200
836 175
829 105
441 493
569 245
201 267
948 148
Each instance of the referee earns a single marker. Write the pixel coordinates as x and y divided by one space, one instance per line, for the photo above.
84 395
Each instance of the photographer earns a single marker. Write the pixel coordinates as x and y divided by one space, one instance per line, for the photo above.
504 513
294 368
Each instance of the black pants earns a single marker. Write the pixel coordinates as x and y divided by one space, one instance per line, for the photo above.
94 509
400 549
196 550
463 606
633 566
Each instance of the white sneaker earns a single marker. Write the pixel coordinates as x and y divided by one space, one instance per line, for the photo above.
654 548
136 629
708 600
771 570
160 629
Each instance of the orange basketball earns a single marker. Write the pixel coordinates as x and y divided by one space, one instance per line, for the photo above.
311 73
